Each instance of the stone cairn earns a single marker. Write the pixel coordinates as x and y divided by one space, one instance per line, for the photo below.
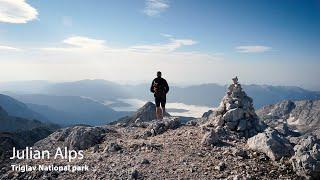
236 112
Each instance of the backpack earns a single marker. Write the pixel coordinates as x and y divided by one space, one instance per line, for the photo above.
159 90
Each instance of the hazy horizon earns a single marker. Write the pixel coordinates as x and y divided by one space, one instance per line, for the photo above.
179 84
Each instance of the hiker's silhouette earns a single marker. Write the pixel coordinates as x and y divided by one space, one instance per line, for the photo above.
160 88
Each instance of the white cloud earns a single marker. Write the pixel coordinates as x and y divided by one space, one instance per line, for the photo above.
79 43
79 47
9 48
16 11
155 7
84 42
252 49
166 35
76 43
169 47
80 57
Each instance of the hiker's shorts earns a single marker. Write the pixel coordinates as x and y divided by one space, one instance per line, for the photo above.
160 100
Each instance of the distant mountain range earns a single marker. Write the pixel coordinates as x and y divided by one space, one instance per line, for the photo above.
211 94
84 102
68 110
18 109
205 94
10 123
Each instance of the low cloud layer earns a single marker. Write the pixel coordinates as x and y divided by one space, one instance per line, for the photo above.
188 110
8 48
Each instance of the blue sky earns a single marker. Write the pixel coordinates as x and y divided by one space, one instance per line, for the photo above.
264 42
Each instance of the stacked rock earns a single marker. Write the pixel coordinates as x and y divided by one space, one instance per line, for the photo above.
236 112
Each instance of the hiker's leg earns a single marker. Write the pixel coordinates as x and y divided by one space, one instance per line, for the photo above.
163 106
158 113
158 110
161 113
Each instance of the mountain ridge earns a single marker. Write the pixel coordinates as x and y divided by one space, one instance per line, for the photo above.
207 94
16 108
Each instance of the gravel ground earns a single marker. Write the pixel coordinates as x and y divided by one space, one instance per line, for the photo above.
175 154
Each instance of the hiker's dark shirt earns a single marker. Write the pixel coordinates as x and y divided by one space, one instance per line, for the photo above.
162 82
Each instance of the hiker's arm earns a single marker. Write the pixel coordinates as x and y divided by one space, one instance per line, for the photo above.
151 88
167 86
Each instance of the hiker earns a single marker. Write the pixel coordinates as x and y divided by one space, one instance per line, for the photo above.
159 88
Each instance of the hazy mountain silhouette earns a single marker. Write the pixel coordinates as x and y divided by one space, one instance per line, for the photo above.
18 109
211 94
81 110
11 123
96 89
59 117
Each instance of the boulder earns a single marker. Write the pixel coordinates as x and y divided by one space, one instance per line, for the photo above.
230 106
242 125
206 114
270 142
306 160
210 138
84 137
76 138
113 147
159 127
232 125
217 121
233 115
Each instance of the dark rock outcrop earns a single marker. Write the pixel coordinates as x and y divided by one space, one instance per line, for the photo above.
145 114
159 127
77 137
21 139
210 138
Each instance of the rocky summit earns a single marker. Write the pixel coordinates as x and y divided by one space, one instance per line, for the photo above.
228 142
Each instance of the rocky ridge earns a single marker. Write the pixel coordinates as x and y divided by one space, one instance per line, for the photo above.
293 117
